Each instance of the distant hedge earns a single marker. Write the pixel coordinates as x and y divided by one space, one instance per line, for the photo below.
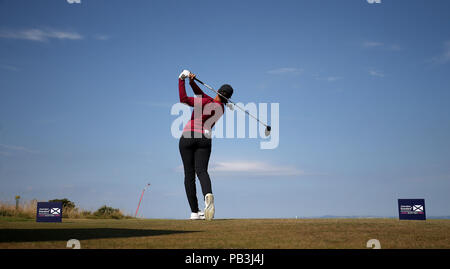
27 210
109 212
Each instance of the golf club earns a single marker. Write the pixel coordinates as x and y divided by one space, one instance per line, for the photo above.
268 128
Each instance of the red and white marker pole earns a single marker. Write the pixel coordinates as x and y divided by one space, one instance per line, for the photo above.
142 195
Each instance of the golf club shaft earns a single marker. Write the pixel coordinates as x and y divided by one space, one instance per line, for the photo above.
229 100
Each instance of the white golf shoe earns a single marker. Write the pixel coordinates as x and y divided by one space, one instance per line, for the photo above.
197 216
209 206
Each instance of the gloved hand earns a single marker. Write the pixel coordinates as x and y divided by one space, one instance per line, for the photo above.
184 74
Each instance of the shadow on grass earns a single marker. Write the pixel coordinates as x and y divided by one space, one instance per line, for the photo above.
36 235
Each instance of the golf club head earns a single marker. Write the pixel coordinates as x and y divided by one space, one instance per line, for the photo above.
230 106
267 131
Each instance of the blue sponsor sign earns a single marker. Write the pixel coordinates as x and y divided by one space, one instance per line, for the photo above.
49 212
411 209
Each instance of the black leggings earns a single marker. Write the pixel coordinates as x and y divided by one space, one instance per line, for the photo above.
195 154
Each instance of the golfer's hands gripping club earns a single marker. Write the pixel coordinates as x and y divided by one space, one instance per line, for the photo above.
191 76
184 74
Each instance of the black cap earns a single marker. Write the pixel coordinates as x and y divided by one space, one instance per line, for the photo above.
227 91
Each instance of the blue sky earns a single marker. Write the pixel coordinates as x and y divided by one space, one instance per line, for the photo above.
86 91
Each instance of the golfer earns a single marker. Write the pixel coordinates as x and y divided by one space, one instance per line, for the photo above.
195 142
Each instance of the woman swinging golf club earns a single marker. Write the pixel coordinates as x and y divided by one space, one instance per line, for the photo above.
195 142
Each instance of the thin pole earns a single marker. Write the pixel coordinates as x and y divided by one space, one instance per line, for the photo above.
142 195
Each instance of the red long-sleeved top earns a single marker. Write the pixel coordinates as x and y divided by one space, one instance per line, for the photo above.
198 119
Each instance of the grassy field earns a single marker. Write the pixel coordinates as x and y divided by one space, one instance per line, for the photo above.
226 233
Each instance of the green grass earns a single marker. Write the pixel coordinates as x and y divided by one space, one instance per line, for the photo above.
226 233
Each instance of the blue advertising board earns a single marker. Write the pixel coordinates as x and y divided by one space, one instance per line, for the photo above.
411 209
49 212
